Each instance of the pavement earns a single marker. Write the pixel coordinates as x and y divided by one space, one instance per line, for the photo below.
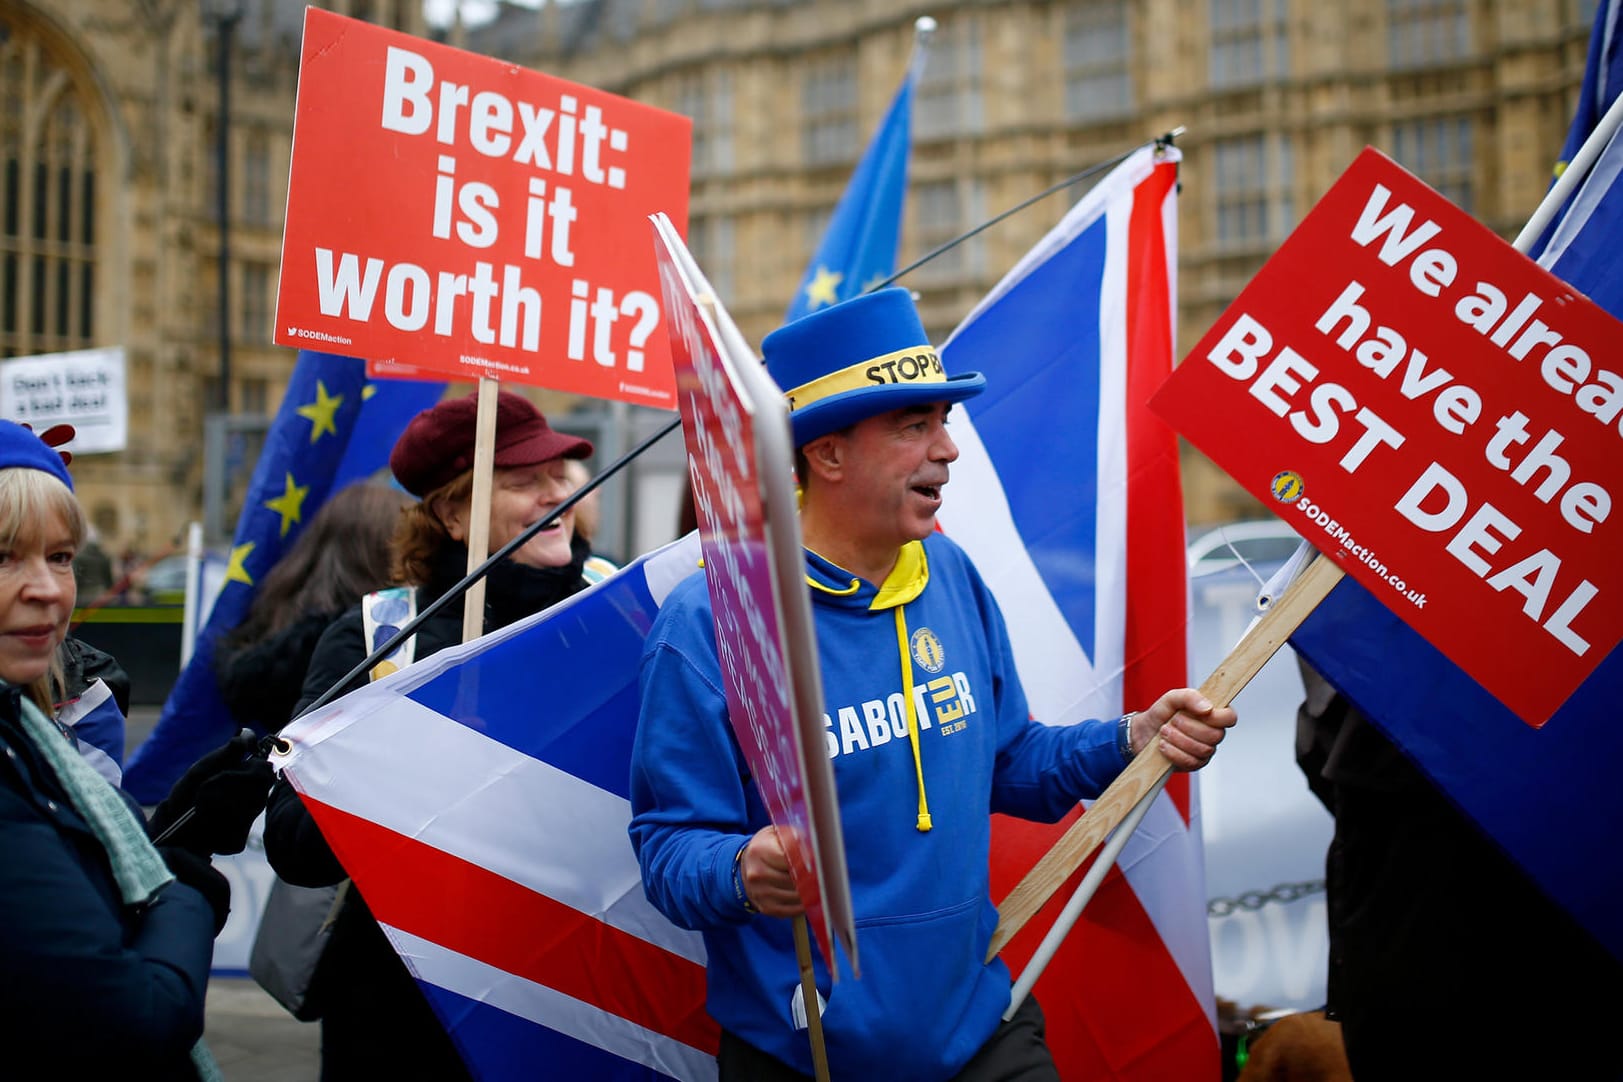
252 1038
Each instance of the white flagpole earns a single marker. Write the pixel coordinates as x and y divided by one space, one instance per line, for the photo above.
924 28
1084 894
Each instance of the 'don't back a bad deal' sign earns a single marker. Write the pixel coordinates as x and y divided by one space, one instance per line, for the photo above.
471 218
1437 414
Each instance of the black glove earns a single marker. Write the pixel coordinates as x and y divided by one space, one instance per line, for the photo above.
225 791
196 872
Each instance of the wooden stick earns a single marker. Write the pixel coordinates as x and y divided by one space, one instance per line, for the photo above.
484 458
808 991
1150 766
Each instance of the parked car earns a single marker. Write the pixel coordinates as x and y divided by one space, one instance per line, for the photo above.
163 582
1258 542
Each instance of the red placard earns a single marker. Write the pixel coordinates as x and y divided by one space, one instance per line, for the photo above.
1437 414
471 218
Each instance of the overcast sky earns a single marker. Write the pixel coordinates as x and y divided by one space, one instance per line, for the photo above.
474 12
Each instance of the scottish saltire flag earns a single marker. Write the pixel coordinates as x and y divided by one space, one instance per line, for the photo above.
328 400
858 249
480 800
1549 796
1067 496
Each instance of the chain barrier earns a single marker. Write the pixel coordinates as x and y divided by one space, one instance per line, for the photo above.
1283 894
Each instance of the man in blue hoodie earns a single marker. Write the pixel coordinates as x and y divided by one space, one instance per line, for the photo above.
927 728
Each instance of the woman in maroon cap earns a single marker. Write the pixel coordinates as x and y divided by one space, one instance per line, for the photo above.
375 1021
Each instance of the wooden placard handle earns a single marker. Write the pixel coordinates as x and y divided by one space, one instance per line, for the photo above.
1230 677
484 456
808 989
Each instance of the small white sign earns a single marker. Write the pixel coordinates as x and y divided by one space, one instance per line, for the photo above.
83 388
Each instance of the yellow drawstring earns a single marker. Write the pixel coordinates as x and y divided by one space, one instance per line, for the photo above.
905 582
924 823
856 584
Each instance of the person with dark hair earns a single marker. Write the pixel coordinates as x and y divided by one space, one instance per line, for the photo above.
341 556
933 736
376 1022
105 940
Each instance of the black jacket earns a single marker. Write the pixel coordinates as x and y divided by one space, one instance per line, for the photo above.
263 681
1434 929
83 665
92 988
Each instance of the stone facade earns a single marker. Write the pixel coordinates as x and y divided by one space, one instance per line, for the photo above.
121 98
117 103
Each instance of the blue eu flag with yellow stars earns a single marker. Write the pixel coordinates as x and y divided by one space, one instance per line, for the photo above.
858 250
1603 81
334 426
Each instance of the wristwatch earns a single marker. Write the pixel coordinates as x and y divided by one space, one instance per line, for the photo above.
1124 736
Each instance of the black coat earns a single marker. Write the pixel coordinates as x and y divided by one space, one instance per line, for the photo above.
263 681
83 665
1434 931
376 1022
91 988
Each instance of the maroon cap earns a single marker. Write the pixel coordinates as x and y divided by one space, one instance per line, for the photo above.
437 446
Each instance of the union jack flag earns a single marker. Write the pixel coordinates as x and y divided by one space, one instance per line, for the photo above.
479 800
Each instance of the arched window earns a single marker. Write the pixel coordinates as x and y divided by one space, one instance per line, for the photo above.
47 201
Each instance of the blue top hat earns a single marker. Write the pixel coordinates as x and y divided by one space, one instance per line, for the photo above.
21 449
856 359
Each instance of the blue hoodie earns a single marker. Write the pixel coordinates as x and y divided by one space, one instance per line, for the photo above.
926 1001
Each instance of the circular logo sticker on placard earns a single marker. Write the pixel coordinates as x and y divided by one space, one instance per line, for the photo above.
1286 486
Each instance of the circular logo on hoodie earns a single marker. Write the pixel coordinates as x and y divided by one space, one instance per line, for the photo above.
927 650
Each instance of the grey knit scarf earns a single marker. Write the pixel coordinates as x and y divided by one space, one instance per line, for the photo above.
137 867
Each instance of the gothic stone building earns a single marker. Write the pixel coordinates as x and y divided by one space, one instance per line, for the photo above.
111 138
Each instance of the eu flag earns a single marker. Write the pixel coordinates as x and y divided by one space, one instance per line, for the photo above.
334 426
1603 78
1581 246
858 250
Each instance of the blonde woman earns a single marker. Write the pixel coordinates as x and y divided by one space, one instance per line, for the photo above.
105 941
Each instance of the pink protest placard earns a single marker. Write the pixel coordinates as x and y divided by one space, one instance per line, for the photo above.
736 427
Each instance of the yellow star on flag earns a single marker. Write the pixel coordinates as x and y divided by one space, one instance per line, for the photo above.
235 569
820 290
874 283
320 413
368 391
290 504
